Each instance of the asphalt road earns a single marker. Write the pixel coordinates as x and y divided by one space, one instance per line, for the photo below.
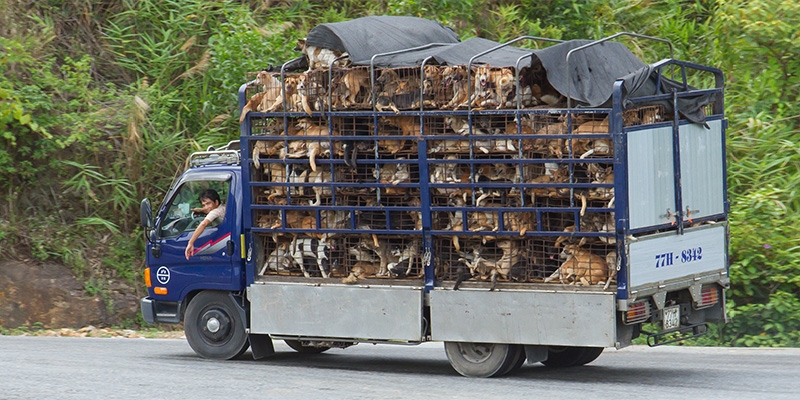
116 368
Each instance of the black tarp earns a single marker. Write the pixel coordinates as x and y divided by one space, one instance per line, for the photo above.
364 37
593 70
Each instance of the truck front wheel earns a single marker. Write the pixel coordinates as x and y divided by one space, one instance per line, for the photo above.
483 360
214 326
565 356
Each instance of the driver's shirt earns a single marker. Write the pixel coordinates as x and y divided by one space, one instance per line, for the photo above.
218 212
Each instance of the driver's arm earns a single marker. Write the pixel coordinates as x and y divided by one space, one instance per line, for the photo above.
190 247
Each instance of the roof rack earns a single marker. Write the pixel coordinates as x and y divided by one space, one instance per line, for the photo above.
228 154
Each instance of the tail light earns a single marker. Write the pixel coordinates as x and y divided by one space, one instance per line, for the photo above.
708 297
637 312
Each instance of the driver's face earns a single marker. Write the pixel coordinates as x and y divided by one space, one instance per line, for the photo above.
209 205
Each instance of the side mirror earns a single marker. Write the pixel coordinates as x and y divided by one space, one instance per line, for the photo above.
146 214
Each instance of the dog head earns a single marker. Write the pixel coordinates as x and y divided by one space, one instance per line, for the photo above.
304 123
452 75
482 75
301 45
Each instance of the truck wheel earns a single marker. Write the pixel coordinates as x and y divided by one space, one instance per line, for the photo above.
214 327
565 356
301 348
482 360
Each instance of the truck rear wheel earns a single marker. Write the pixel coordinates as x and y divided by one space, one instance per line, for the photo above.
301 348
565 356
483 360
214 326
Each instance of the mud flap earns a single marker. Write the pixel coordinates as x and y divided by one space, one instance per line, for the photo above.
261 345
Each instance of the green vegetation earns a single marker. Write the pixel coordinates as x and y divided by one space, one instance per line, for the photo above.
100 102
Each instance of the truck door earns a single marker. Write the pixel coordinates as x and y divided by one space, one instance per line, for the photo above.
210 267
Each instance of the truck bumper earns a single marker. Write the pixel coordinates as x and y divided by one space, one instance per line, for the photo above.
165 312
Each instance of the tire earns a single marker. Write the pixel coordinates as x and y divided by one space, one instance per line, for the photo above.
482 360
301 348
515 360
214 326
565 356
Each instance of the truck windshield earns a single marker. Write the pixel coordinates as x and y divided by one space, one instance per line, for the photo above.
179 216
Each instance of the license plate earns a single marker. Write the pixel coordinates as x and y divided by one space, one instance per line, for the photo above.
672 317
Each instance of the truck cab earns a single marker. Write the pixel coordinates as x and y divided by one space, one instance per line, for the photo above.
217 263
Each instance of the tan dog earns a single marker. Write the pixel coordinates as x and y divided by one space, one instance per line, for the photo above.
313 148
271 91
492 86
581 266
408 126
354 80
598 146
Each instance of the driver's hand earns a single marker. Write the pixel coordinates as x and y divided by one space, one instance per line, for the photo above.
189 250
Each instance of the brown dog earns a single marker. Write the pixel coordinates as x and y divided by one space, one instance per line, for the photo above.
354 79
456 77
408 126
582 266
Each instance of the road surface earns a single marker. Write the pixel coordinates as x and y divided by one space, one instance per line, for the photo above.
118 368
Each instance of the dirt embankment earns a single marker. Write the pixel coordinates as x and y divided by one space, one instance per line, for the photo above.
50 295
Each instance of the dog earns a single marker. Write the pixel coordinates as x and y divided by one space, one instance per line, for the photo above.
277 173
263 147
318 177
279 260
455 77
416 216
405 258
587 147
581 266
320 57
270 93
408 126
456 221
447 173
295 94
560 174
603 176
499 172
313 148
354 79
432 83
460 125
393 174
295 177
543 92
318 249
492 86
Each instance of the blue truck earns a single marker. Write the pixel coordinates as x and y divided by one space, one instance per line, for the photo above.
379 203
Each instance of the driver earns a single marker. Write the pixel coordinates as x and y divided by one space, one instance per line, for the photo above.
213 210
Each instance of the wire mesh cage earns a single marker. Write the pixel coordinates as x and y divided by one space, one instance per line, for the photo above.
398 89
528 260
350 89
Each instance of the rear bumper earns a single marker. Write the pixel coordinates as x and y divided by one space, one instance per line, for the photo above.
164 312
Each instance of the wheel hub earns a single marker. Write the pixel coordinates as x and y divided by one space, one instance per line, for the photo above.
213 325
216 325
476 352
